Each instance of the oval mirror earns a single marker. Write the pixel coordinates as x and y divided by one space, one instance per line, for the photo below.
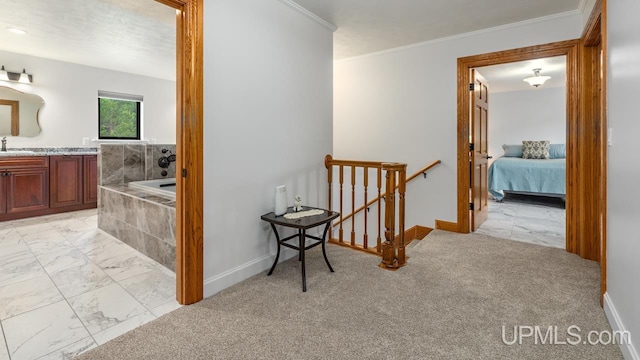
19 113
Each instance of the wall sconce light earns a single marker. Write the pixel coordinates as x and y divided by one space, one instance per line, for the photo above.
537 79
22 77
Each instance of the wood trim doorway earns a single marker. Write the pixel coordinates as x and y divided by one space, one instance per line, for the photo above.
189 141
570 49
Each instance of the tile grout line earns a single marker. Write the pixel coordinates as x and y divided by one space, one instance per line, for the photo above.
4 336
68 304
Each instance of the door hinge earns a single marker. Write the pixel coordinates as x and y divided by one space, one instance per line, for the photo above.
471 147
471 207
184 173
472 86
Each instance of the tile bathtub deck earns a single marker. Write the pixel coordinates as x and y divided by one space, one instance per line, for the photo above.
66 287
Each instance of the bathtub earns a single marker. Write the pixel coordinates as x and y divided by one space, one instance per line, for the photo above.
163 187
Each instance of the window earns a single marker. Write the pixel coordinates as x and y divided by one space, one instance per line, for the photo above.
119 116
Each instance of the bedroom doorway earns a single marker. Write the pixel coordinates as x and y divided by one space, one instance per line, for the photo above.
532 206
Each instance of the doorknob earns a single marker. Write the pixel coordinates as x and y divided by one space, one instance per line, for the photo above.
489 157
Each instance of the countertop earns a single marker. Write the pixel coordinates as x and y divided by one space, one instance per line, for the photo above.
49 151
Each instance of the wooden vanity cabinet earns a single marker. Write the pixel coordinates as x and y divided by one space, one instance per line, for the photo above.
90 169
65 176
42 185
24 185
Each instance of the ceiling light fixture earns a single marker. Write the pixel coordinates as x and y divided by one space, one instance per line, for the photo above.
22 77
537 79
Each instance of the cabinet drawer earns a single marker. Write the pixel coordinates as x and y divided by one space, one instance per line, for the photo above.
23 162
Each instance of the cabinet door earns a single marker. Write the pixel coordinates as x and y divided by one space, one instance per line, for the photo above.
66 180
90 179
3 192
27 190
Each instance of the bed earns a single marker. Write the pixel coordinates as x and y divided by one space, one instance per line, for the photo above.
537 176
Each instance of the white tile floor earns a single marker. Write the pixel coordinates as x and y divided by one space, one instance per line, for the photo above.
66 287
531 219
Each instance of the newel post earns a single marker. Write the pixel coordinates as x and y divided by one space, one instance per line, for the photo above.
393 251
388 250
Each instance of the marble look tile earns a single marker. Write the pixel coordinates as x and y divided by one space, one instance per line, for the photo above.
47 242
77 280
151 289
123 327
26 229
111 160
160 251
17 263
70 351
20 297
9 236
100 246
21 223
166 308
105 307
42 331
149 163
155 220
62 259
5 225
537 236
4 354
126 265
133 159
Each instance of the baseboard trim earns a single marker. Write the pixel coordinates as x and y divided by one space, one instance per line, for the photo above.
217 283
417 232
446 225
628 350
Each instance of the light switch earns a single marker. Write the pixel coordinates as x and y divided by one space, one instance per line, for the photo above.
610 137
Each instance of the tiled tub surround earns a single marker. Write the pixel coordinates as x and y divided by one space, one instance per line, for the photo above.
123 163
142 220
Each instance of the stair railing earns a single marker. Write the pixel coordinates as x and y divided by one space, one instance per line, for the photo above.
392 250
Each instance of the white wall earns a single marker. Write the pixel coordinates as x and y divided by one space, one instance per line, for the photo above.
538 114
401 106
623 192
70 94
267 121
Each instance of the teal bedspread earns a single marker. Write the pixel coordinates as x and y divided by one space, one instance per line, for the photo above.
527 175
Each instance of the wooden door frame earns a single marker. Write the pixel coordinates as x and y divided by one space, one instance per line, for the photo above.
570 49
586 135
189 141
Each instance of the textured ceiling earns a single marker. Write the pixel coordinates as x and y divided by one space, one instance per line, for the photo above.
366 26
510 77
134 36
138 36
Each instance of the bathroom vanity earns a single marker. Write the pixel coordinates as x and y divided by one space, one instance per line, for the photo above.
47 181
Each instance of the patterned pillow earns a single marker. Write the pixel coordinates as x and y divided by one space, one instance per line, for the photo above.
535 149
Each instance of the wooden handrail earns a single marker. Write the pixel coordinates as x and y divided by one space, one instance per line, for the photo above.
373 201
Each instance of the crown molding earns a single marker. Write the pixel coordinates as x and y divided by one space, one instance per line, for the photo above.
461 36
309 14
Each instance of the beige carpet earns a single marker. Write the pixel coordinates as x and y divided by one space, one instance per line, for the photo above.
449 302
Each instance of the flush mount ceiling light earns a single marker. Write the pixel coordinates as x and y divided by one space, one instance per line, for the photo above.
537 79
17 31
22 77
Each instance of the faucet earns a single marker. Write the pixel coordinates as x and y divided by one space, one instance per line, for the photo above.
4 144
